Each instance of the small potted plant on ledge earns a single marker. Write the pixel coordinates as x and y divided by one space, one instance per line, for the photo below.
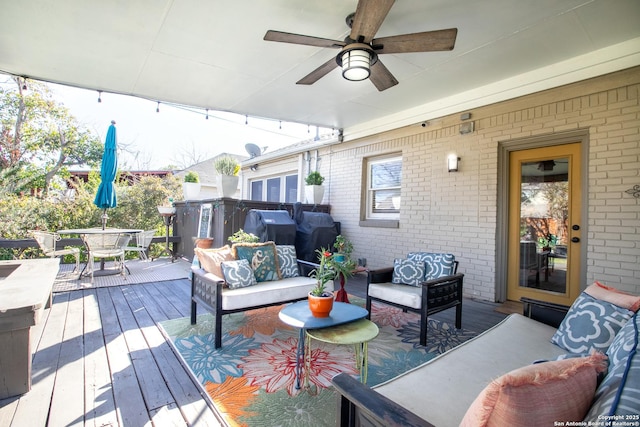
228 169
314 190
343 247
191 185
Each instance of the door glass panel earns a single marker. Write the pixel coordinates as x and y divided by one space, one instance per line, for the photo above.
544 210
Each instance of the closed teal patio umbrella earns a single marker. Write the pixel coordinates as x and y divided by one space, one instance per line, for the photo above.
106 194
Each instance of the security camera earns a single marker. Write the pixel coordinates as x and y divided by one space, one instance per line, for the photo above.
423 124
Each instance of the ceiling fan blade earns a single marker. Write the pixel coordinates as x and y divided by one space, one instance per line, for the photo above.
368 18
428 41
318 73
381 77
280 36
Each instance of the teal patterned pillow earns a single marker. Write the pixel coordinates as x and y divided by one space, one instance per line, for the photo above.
619 392
262 258
436 264
287 261
238 274
590 324
408 272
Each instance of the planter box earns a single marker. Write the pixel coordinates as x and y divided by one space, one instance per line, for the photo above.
314 193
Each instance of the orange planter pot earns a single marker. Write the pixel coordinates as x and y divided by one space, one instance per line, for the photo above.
320 306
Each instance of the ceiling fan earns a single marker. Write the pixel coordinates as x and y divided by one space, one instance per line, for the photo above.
359 51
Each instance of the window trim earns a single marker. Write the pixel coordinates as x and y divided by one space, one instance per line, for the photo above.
378 219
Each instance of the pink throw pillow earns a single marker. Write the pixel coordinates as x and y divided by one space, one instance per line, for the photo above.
211 259
538 394
614 296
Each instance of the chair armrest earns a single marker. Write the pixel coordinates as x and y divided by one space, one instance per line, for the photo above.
205 276
361 405
546 312
381 275
305 267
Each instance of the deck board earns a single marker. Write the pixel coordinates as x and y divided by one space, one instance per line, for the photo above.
100 407
101 359
68 393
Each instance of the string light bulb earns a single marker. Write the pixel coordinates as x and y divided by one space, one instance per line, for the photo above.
207 117
99 96
158 107
246 119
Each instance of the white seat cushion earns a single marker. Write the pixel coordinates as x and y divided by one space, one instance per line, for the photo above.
409 296
269 292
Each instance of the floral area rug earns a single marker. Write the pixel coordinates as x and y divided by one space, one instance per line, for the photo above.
251 378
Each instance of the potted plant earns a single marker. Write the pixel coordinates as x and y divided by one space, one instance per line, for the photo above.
242 236
314 190
344 247
321 300
191 185
228 169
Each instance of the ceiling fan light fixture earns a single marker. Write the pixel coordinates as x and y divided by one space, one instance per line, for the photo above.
356 61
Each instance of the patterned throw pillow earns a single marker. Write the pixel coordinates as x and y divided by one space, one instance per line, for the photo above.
262 258
408 272
210 259
618 393
287 261
238 274
590 324
539 394
436 264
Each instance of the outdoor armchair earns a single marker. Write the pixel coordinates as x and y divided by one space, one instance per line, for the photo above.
424 293
47 243
104 246
143 240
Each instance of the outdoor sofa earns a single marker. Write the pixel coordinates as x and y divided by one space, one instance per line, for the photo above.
520 372
246 276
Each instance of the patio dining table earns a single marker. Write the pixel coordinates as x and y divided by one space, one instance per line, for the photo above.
97 231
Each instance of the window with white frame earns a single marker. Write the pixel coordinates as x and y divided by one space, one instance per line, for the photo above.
384 181
282 189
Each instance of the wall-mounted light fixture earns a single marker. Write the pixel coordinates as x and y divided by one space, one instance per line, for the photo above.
254 167
452 162
356 60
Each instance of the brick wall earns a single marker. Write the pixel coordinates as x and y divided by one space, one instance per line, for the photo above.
457 212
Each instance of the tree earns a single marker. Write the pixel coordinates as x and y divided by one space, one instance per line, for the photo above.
39 138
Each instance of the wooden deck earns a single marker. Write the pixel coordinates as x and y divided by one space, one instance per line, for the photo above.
101 360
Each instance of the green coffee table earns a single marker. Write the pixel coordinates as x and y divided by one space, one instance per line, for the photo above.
357 333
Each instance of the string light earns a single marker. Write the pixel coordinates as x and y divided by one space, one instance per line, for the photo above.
158 107
280 127
246 119
99 96
207 114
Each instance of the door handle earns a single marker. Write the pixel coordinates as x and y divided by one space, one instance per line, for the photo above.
575 239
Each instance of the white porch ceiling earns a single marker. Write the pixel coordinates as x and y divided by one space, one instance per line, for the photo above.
211 53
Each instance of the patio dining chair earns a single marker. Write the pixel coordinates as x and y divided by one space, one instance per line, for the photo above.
47 242
104 246
143 240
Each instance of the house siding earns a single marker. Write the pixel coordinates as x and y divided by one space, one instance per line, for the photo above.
457 212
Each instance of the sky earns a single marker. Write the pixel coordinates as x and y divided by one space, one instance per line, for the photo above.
175 135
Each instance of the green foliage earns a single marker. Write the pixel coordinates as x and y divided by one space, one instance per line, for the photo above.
192 176
314 178
241 236
227 165
329 269
343 245
39 138
137 208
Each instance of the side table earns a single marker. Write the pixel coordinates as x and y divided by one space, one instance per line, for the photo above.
357 333
299 316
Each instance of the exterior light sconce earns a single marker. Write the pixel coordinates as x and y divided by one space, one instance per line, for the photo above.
452 162
254 167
